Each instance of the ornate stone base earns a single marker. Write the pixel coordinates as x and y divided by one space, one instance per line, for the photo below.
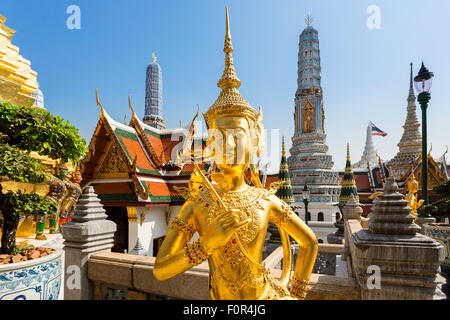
408 266
89 232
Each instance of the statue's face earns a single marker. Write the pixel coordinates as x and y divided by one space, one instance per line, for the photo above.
232 145
76 177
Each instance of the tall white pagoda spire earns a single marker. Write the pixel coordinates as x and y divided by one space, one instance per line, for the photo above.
369 151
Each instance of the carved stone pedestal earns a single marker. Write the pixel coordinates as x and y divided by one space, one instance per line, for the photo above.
391 259
89 232
408 266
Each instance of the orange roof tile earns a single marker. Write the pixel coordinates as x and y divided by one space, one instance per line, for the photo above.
134 148
168 145
163 189
156 144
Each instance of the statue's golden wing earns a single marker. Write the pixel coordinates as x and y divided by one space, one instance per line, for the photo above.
375 195
184 192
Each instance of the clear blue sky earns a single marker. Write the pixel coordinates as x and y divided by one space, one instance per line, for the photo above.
365 73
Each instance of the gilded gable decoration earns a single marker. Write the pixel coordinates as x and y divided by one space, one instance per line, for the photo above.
113 163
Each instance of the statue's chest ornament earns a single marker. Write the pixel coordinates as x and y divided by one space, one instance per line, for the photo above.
249 202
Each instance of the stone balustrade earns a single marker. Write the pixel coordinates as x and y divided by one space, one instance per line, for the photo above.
131 277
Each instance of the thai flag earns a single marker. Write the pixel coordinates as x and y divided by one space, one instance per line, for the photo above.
376 131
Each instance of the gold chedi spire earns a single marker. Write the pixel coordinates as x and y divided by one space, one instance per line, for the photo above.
348 182
348 151
229 79
230 102
285 191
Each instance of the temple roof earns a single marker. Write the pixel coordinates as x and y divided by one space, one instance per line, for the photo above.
435 173
135 162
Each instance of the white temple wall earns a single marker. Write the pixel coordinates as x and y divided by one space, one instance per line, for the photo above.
132 234
153 226
328 210
322 230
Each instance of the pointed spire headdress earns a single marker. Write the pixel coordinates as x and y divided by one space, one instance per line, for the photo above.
230 102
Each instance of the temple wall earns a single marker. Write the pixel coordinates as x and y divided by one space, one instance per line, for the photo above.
153 226
320 228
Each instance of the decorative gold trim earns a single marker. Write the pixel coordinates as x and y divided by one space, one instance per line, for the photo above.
102 157
132 214
308 117
28 188
168 215
143 215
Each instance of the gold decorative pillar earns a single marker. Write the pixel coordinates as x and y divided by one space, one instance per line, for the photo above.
132 227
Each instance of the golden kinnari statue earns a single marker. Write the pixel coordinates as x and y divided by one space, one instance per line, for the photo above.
412 186
230 216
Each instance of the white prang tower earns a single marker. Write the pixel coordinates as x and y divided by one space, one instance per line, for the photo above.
309 162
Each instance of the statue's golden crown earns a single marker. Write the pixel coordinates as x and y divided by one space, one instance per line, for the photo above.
230 102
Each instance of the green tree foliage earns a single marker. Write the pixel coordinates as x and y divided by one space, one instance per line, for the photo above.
442 205
28 204
439 209
22 130
17 165
32 129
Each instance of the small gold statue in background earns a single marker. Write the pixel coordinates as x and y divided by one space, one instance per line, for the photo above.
412 186
230 216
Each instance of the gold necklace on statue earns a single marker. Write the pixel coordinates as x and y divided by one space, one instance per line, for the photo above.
247 201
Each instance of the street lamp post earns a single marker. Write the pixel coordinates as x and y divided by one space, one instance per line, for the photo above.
306 194
422 83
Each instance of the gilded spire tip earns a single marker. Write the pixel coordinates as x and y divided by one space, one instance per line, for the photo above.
229 79
283 150
227 25
348 151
